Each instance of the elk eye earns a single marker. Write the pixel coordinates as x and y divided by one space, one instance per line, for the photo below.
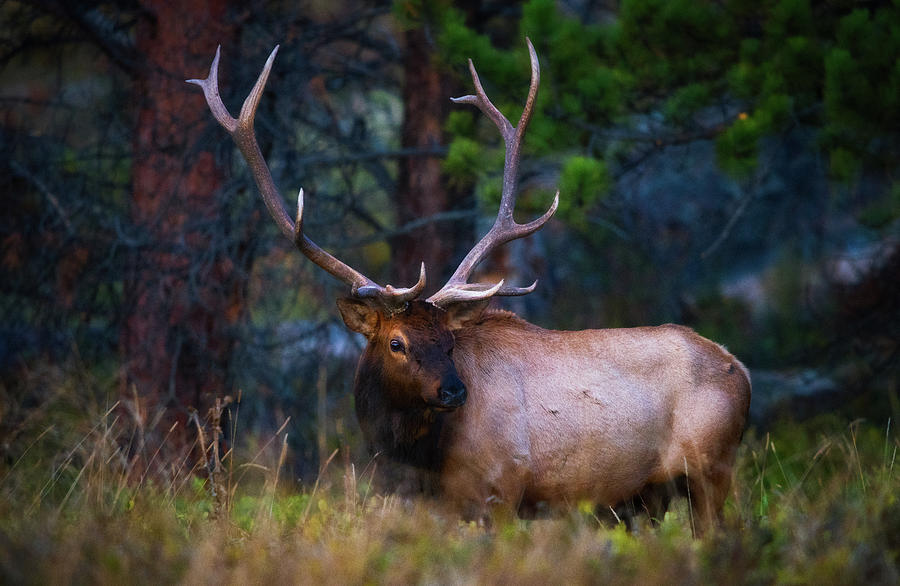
396 345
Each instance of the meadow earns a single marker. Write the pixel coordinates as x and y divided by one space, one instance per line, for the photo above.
816 502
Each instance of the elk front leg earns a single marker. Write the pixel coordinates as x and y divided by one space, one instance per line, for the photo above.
483 496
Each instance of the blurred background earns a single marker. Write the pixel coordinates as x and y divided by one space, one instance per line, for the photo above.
732 166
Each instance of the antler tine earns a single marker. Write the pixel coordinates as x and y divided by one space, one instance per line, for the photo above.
241 131
210 87
505 228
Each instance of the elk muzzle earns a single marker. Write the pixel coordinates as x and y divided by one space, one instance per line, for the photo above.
451 393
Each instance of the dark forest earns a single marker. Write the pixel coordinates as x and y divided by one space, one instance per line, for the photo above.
176 381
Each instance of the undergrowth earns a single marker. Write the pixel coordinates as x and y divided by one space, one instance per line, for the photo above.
816 503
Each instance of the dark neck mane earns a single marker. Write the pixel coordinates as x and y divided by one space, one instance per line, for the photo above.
411 437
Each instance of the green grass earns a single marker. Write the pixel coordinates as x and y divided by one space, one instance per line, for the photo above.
817 503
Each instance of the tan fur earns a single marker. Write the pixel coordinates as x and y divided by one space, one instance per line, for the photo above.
556 417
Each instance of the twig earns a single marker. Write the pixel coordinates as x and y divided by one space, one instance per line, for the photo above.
616 515
726 231
68 459
51 197
435 151
281 459
862 478
213 462
158 449
230 454
316 486
175 490
31 445
687 483
202 442
411 226
252 462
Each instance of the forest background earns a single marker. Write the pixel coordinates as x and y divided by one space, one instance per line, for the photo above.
731 166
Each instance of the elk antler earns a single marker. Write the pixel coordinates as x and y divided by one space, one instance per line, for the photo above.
505 227
241 130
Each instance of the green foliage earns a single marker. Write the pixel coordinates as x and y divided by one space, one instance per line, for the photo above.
736 148
862 90
773 64
738 145
584 180
458 43
669 43
465 158
573 60
686 100
883 213
843 164
574 79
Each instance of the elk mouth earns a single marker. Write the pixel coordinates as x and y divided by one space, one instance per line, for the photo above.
448 405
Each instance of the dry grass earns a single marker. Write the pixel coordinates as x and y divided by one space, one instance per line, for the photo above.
817 503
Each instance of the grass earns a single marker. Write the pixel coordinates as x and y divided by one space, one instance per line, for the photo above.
813 503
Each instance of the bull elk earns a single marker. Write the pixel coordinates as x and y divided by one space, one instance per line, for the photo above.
507 415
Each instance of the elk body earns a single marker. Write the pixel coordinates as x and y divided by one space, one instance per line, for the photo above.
505 414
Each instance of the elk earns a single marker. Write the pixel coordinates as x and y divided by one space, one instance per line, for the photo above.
508 416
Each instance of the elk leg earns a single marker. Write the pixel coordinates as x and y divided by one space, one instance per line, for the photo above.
655 498
707 494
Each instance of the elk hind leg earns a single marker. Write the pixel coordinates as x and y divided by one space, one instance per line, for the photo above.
654 499
706 492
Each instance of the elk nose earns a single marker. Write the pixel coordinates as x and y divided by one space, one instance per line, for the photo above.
452 392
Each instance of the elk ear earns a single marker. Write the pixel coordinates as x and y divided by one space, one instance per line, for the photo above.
464 313
359 316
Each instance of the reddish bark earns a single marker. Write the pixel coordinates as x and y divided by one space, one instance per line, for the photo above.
421 190
176 341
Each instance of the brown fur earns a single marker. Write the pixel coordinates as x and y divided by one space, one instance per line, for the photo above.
553 417
504 413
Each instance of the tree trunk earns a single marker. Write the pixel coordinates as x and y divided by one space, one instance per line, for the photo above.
184 292
421 190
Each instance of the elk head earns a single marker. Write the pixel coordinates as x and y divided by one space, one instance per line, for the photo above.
410 353
410 341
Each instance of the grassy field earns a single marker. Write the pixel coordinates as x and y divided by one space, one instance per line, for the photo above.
817 503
